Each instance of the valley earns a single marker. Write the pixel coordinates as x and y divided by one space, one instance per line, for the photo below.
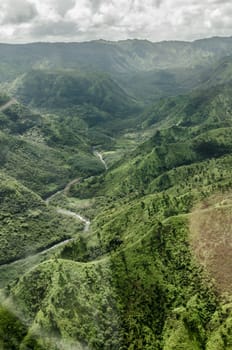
115 196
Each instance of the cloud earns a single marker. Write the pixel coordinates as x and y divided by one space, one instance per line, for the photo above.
50 29
17 12
95 5
28 20
61 7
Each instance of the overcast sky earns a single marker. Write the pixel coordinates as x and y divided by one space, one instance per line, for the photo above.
78 20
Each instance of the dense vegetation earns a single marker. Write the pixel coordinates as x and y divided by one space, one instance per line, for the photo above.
147 70
42 151
57 90
122 56
27 224
153 271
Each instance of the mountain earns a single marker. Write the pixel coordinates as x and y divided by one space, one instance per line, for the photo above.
143 248
93 103
199 107
149 86
141 203
115 57
27 224
41 152
219 73
146 70
55 90
187 129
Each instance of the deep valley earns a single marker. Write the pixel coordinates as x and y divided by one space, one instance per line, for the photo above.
116 195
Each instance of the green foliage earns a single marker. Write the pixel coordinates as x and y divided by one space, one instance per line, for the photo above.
27 224
206 108
220 337
132 282
116 57
44 152
163 162
166 301
153 84
81 305
62 89
12 330
17 119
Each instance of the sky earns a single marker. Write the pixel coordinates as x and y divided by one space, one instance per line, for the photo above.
84 20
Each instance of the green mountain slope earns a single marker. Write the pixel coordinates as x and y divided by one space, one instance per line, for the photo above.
47 89
201 107
144 69
153 271
117 57
91 103
191 129
27 224
41 151
149 264
219 73
152 85
136 280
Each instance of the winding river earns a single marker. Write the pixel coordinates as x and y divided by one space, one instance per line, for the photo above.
61 211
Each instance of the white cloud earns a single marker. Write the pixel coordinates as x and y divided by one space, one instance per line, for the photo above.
28 20
16 12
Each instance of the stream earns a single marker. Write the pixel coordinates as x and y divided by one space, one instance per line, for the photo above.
99 155
76 216
60 210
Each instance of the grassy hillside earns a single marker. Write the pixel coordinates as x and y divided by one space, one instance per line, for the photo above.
44 151
146 275
146 70
201 107
153 271
140 254
190 150
117 57
47 89
90 104
151 85
27 224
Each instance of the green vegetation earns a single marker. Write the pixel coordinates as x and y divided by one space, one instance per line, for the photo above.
12 330
43 88
116 57
153 270
44 151
27 224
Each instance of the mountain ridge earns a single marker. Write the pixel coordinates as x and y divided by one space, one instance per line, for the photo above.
115 56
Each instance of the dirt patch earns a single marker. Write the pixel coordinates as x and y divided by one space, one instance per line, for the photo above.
211 239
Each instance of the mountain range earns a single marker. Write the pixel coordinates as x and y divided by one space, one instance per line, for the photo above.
115 195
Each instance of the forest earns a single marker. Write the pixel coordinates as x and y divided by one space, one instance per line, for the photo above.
116 196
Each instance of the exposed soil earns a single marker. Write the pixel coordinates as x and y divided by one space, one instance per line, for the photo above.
211 239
